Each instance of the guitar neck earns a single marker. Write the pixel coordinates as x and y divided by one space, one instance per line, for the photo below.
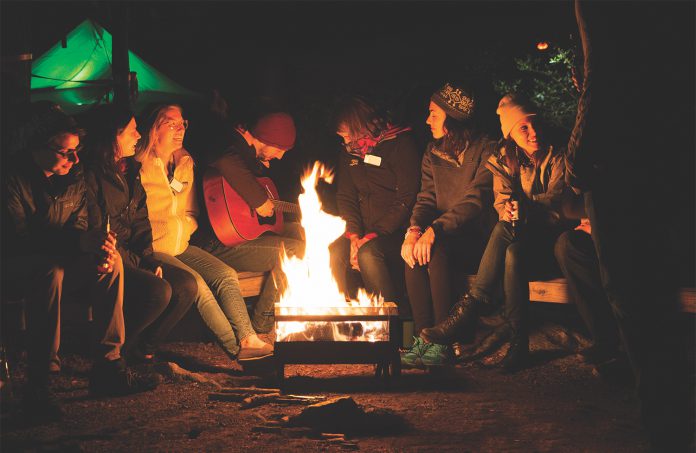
287 206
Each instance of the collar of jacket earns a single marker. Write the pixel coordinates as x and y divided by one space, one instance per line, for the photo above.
458 161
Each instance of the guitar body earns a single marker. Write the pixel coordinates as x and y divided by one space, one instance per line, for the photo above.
232 219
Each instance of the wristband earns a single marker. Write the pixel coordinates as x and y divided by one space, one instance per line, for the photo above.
413 229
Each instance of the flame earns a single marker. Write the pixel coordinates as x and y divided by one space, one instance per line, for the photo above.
312 288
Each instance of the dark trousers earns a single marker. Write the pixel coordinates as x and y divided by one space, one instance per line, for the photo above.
576 256
45 280
378 259
431 288
638 279
515 261
153 305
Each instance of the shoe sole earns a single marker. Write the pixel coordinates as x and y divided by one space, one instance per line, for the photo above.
251 359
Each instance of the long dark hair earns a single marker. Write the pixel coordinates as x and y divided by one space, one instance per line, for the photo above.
459 132
106 122
360 116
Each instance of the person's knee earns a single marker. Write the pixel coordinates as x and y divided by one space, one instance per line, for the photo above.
293 247
53 275
562 247
158 291
514 256
370 255
185 286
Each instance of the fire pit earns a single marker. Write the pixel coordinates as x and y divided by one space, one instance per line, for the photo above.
315 323
352 334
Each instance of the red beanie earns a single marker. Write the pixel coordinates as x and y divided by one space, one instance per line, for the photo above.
275 129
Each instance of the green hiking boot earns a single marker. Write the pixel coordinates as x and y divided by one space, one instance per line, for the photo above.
411 358
436 355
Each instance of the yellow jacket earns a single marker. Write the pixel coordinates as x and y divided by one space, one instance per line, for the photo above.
172 214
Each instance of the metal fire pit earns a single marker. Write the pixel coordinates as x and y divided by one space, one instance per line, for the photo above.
384 352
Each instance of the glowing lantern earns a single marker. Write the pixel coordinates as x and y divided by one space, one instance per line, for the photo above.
542 45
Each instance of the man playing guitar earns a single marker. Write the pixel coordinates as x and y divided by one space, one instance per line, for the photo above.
240 159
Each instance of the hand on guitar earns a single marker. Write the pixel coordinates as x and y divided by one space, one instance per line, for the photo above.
266 209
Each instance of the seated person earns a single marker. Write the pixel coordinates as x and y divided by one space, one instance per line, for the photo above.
576 255
240 157
528 181
157 295
452 217
378 178
50 254
168 179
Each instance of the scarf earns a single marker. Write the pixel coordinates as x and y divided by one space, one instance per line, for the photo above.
366 144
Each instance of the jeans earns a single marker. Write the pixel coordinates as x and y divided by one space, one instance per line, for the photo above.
262 254
431 289
377 259
219 299
153 305
515 261
577 259
44 281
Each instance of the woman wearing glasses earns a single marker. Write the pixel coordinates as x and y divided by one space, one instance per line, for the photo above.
167 176
156 295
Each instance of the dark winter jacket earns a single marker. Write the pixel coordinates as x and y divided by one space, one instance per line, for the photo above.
455 193
123 199
236 161
377 198
42 215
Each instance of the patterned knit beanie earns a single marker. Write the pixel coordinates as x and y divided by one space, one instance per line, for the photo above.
457 102
275 129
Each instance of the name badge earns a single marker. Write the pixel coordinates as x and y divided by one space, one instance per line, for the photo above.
176 185
371 159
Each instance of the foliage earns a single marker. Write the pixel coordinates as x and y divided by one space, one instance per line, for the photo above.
546 78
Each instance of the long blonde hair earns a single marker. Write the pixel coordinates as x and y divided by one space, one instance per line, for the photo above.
153 122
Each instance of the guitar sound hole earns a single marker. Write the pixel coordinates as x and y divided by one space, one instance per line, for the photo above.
266 220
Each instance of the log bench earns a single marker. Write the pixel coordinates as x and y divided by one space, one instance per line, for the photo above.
550 291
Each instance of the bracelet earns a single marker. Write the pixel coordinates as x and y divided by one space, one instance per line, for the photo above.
413 229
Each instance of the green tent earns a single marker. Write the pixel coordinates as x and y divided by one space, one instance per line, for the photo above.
79 75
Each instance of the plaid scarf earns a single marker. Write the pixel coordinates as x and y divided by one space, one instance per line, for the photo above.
366 144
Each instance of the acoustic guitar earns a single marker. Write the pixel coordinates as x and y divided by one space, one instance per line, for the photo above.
232 219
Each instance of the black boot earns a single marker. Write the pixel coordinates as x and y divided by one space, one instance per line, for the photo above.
517 356
461 320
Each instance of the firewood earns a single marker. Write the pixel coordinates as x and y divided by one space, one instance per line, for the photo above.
248 390
258 400
218 396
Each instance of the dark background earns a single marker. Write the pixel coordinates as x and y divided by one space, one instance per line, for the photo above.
300 55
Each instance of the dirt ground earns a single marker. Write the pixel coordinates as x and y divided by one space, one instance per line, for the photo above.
557 404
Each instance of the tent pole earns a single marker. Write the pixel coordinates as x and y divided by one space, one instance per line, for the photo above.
119 49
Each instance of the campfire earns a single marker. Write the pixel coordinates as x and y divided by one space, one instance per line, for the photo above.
315 323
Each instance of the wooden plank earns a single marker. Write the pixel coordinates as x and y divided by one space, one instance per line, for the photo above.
250 283
556 292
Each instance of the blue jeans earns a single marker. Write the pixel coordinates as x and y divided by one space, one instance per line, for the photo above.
262 254
515 261
219 299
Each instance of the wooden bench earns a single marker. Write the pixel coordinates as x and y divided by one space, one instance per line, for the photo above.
551 291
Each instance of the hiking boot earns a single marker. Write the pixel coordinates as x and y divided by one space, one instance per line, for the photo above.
114 378
460 321
436 355
40 406
411 358
517 356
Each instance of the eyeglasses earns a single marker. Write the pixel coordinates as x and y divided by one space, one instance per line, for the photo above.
65 153
176 125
